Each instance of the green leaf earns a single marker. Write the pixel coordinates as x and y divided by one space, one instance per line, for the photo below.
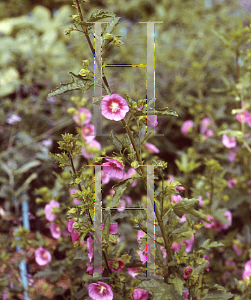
78 83
100 14
160 289
158 112
186 206
119 189
199 269
28 166
178 284
116 142
207 245
105 231
217 295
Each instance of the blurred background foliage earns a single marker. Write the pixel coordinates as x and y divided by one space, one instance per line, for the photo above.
202 69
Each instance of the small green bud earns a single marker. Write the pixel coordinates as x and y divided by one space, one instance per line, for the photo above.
72 111
85 63
134 105
108 36
84 72
135 164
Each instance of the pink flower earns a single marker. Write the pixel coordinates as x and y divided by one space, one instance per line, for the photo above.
55 230
13 119
186 127
48 210
114 107
205 124
247 270
90 148
116 265
132 271
75 200
47 143
232 154
140 234
100 291
104 178
243 117
151 148
42 256
125 201
187 272
176 198
228 215
130 174
163 251
201 202
82 117
140 294
113 168
152 121
74 235
89 132
185 294
90 248
231 183
112 229
180 188
229 142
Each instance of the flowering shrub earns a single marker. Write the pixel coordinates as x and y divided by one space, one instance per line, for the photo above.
201 240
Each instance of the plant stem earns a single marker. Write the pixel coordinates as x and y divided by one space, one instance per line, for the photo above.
89 41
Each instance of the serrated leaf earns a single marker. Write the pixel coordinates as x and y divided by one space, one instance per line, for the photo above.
77 83
100 14
160 289
119 189
116 142
199 269
184 206
178 284
158 112
217 295
207 245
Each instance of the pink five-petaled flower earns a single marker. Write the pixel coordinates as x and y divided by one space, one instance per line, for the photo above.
187 272
89 132
176 198
244 117
116 265
90 148
82 117
140 294
100 291
42 256
114 107
247 270
229 142
186 127
50 216
74 235
151 148
113 168
55 230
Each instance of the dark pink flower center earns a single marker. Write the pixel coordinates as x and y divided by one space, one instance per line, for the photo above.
114 106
